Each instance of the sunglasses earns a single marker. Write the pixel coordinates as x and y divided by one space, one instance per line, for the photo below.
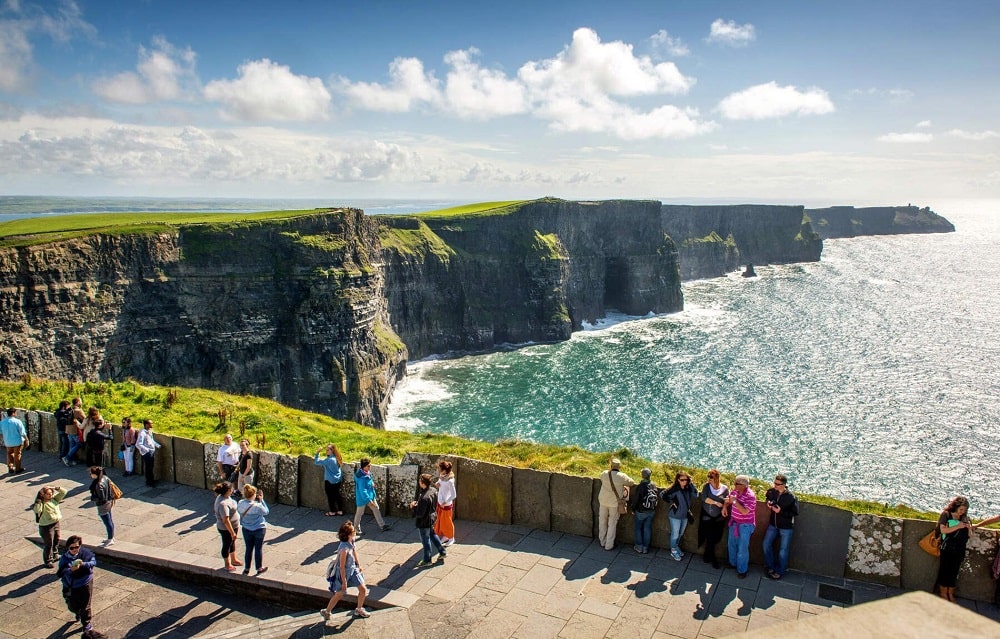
72 547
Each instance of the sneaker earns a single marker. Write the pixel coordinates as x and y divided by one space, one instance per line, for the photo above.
48 564
64 461
447 542
676 555
110 542
325 613
422 563
386 527
361 612
638 549
442 555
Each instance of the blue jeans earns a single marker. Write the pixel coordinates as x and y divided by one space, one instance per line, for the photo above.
644 529
427 537
63 444
109 524
677 528
254 541
781 565
74 445
739 547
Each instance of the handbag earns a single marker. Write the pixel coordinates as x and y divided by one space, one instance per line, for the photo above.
931 543
622 500
116 492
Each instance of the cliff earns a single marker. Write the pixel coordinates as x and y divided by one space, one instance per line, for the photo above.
713 240
848 221
321 310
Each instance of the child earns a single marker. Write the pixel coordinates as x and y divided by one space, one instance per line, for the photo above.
345 570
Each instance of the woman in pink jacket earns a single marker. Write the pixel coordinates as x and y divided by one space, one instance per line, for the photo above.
741 505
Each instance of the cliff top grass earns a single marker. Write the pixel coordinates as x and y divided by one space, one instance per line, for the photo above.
206 415
467 211
39 230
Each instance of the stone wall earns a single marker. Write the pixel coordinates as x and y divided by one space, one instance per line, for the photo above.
828 541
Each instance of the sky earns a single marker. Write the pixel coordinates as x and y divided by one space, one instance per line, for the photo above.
765 101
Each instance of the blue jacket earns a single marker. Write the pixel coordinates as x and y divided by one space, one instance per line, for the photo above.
82 575
252 514
13 431
331 469
364 488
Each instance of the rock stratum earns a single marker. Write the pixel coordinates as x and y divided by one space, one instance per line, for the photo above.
322 310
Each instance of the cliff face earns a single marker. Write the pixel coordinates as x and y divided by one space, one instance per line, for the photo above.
713 240
321 311
848 221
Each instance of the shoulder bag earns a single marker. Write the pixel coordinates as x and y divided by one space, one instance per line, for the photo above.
931 543
622 501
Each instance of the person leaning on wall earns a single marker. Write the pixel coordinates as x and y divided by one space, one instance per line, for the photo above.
614 484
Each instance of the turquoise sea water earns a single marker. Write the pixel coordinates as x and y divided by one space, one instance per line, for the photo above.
873 374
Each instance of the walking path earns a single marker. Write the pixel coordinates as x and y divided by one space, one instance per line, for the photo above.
497 581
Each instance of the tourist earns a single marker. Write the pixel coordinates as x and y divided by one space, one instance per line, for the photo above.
253 511
64 419
424 511
333 477
444 526
147 446
645 497
96 439
244 467
954 527
680 495
345 570
614 485
226 460
15 438
783 508
76 569
741 506
100 492
89 423
364 497
47 516
227 521
712 522
75 432
129 437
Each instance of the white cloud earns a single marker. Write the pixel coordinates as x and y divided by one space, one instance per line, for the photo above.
923 124
665 44
976 136
906 138
267 91
410 86
893 95
477 93
163 73
732 34
20 23
772 101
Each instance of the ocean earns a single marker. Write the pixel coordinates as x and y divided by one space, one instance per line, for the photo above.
873 374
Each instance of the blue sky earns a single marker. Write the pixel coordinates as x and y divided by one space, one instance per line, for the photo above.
768 101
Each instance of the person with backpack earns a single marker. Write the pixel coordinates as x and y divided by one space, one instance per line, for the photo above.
783 507
345 570
103 495
712 523
645 496
64 418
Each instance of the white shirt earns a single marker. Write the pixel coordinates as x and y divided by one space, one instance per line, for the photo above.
229 455
446 490
145 443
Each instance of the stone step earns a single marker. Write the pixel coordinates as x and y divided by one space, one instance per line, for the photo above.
310 625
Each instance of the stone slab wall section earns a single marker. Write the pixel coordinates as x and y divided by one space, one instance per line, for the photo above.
820 540
48 438
975 578
531 505
267 474
875 550
210 456
571 500
401 482
189 467
288 480
311 491
427 462
163 459
918 569
484 491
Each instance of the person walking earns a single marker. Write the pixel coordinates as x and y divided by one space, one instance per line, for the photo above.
333 477
444 525
244 467
47 516
101 493
253 511
76 569
129 437
64 419
15 438
227 522
614 484
680 495
364 497
645 497
712 522
953 526
741 506
424 508
783 508
344 571
147 446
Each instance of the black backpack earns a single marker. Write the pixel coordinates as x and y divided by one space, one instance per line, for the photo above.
645 503
64 417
